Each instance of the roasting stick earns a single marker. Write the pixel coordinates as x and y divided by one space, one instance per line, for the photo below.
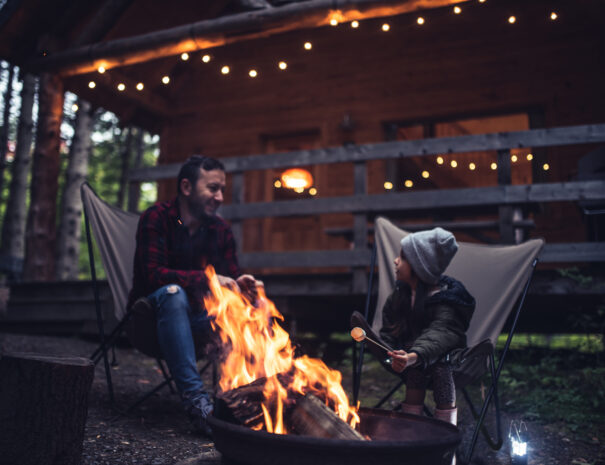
359 335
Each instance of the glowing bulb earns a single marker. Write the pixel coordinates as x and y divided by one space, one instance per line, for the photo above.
420 20
530 157
512 19
299 190
440 160
101 69
481 1
92 84
453 163
140 86
388 185
494 166
277 183
354 24
333 22
166 79
457 10
184 56
545 166
313 191
282 65
472 166
554 16
121 86
206 58
386 27
225 70
514 158
74 107
425 174
308 45
252 73
408 183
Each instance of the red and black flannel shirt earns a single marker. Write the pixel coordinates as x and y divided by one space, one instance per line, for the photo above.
167 254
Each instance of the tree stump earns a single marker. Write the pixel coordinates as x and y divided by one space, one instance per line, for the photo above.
43 408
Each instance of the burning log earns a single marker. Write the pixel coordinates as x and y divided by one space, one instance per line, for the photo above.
312 417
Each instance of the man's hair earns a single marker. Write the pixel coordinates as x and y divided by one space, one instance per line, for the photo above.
191 169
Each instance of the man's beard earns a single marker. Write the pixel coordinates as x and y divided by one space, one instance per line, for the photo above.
197 209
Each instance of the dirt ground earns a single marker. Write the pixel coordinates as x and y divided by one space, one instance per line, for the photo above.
157 432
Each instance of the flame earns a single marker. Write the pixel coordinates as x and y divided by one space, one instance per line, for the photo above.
256 346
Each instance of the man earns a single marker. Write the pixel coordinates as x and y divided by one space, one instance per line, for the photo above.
176 240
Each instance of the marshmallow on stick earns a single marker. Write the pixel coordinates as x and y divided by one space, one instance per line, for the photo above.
359 335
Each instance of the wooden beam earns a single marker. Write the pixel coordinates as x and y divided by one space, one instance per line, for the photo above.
573 252
569 135
423 200
317 258
221 31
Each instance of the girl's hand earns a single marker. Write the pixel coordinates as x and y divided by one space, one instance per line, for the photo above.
402 360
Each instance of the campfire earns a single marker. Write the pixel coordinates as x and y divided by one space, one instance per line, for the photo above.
263 384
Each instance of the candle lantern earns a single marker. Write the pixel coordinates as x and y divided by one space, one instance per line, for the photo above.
518 443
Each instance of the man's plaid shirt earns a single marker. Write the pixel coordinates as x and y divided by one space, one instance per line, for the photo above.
167 254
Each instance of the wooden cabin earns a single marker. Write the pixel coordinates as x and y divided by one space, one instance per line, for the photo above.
377 100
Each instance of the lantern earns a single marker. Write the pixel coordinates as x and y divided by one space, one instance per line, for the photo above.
518 443
296 178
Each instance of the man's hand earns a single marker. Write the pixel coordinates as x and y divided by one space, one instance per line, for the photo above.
247 284
228 282
402 360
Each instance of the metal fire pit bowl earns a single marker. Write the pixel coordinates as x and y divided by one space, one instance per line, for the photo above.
397 439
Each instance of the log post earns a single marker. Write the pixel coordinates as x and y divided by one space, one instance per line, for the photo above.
43 408
360 228
41 219
505 212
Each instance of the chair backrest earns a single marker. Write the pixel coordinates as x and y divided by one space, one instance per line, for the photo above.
114 231
493 274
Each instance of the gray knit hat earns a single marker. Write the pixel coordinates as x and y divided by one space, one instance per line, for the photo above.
429 253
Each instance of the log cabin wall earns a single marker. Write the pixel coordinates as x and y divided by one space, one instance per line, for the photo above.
452 68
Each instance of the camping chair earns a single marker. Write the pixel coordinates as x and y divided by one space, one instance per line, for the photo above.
497 276
114 231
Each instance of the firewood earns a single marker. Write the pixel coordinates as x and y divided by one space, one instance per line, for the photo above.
312 417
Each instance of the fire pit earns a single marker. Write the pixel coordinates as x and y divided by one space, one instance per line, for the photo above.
396 439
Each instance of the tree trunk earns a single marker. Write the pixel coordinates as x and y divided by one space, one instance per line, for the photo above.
43 406
68 239
125 157
6 124
41 220
134 188
13 227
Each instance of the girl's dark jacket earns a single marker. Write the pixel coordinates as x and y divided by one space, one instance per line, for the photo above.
435 326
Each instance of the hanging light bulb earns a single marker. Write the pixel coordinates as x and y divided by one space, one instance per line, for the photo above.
206 58
440 160
313 191
225 70
282 65
101 69
494 166
408 183
184 56
512 19
530 157
75 107
92 84
472 166
457 10
386 27
388 185
308 45
354 24
296 178
140 86
545 166
425 174
166 79
333 22
121 86
453 163
252 73
514 158
420 20
554 16
277 184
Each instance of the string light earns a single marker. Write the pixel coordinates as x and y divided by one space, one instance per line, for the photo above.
388 185
545 166
494 166
121 86
457 10
313 191
140 86
453 163
299 190
206 58
425 174
277 184
408 183
472 166
514 158
440 160
512 19
74 107
225 70
282 65
386 27
308 45
252 73
92 84
530 157
184 56
481 1
166 79
354 24
420 20
101 69
554 16
333 22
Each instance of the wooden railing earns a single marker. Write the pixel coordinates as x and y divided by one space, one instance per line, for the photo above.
503 196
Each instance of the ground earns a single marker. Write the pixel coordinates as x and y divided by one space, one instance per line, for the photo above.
158 433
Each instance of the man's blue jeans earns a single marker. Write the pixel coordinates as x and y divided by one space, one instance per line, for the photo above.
176 326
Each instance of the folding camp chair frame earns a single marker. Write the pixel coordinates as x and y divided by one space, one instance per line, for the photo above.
109 341
494 370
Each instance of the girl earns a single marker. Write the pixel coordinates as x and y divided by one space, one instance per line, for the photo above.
425 318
